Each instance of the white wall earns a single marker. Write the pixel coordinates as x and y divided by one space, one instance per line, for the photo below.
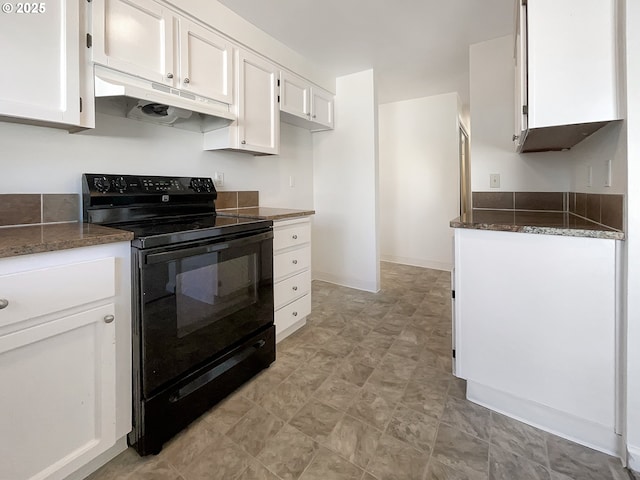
492 125
39 159
633 233
419 180
345 168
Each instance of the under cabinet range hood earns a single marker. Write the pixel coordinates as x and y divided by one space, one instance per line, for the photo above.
140 99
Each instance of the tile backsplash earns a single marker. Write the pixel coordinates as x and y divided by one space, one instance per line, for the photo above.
232 200
605 209
35 209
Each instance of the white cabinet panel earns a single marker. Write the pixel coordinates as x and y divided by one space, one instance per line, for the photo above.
288 263
291 235
288 316
40 56
295 95
288 290
258 113
322 108
58 383
135 38
38 292
205 63
536 320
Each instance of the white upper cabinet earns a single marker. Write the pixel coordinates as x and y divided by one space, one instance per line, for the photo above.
146 39
41 58
321 107
257 129
135 37
295 95
566 71
205 62
304 104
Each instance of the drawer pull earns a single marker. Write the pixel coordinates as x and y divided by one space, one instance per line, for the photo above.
4 303
295 289
295 237
109 318
295 314
295 262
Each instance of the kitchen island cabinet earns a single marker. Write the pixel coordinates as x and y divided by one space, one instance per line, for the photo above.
537 331
65 359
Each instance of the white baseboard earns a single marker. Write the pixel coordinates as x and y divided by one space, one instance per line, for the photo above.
368 286
579 430
84 471
633 459
418 262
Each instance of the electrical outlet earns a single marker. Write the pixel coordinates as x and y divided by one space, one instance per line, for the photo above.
494 180
607 173
218 179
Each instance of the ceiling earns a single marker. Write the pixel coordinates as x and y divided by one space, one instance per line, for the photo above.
416 47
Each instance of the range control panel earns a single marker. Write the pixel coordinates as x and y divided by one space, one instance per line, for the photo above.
135 185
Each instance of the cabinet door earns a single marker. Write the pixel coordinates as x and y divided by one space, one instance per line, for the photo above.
135 38
205 62
321 107
58 384
40 60
258 113
520 56
295 95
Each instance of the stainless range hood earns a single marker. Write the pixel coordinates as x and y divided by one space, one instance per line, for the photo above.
157 103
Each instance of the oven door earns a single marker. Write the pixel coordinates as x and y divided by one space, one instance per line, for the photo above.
199 301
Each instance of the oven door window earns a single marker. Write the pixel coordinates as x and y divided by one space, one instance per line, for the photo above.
197 306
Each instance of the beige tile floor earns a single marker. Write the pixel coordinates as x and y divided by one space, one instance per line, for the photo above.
364 392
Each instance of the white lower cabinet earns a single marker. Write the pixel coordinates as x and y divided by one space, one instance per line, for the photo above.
64 368
292 274
537 335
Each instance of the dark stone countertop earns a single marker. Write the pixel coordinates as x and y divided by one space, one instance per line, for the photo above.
24 240
545 223
267 213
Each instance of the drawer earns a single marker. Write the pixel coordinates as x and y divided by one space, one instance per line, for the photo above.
288 290
290 262
48 290
291 235
292 313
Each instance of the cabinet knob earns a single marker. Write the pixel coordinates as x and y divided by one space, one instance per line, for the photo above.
186 80
4 303
109 318
295 289
295 237
169 75
295 262
243 142
515 137
295 314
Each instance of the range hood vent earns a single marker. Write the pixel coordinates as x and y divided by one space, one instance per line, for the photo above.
160 104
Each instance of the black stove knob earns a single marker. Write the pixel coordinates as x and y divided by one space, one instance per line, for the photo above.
102 184
196 184
120 184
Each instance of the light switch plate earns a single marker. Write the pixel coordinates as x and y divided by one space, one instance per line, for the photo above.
218 179
494 180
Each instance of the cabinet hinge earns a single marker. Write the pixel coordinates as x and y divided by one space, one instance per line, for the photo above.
453 294
453 353
89 40
524 2
80 104
525 110
278 82
278 98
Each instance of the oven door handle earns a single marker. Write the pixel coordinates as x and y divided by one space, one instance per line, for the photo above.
163 257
